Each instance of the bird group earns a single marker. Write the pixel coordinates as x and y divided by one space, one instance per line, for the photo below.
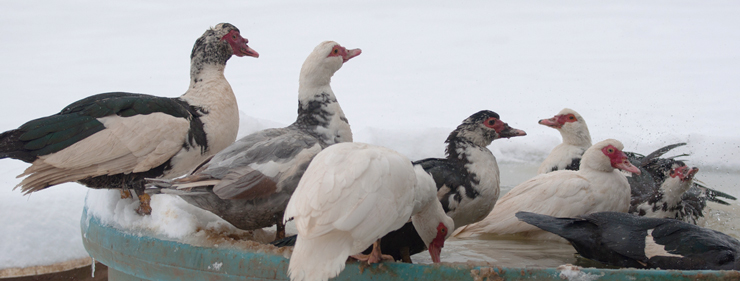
348 199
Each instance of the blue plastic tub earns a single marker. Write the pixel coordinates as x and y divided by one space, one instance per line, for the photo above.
136 257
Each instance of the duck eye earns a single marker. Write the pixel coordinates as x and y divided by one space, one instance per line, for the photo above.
336 51
611 150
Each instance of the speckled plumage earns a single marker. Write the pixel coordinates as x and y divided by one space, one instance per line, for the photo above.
658 192
467 180
250 182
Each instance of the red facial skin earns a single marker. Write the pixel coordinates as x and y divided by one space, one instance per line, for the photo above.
435 248
559 120
239 44
619 160
339 51
502 128
684 173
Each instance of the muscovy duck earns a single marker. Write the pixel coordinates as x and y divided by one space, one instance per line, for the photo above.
115 140
349 197
597 186
467 179
250 182
626 240
576 139
666 188
665 202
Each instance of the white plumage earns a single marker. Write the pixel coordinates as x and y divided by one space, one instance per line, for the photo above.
576 139
596 187
350 196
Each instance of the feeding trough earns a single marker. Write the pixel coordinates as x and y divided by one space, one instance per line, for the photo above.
133 256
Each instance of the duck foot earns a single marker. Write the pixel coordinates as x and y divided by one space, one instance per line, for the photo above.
144 207
375 256
125 193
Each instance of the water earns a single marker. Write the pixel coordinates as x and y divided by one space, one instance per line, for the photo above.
514 251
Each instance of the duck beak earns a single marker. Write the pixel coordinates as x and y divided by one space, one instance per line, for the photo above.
509 132
435 252
685 174
247 51
552 123
627 166
351 54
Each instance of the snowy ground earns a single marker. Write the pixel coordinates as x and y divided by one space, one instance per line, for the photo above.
647 73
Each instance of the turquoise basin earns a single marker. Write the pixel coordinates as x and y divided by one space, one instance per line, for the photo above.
136 257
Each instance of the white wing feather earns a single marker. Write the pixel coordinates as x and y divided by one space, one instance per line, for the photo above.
130 144
543 194
351 195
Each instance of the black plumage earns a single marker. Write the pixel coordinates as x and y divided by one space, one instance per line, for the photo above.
626 240
79 120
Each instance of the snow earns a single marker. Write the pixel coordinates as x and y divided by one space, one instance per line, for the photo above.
573 273
646 73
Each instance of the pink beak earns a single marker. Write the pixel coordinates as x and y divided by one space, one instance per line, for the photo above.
552 123
247 51
626 165
351 54
684 173
435 252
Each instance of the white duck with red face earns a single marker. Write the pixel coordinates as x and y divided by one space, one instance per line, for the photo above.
351 195
576 140
596 187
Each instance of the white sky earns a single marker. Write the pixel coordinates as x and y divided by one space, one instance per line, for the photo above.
647 73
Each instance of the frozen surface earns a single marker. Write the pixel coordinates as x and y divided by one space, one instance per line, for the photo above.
646 73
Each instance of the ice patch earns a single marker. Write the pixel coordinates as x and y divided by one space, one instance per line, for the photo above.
573 273
216 266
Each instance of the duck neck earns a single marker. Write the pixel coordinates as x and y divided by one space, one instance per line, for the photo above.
580 138
208 87
208 59
673 189
320 114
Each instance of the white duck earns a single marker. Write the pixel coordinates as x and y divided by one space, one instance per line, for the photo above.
596 187
250 182
350 196
576 139
115 140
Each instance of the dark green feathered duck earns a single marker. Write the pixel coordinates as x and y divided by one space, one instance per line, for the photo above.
117 139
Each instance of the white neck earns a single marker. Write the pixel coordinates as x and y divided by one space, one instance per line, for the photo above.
576 135
673 189
427 211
